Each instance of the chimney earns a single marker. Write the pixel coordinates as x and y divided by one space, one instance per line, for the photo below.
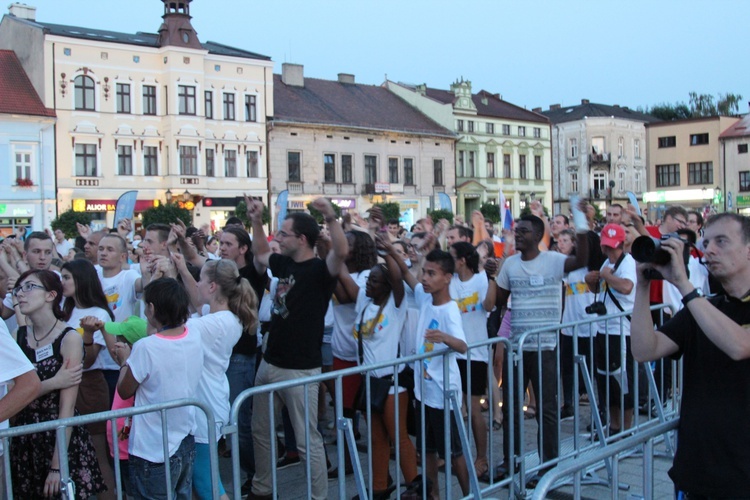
293 74
615 105
584 101
537 110
346 78
22 11
553 107
421 89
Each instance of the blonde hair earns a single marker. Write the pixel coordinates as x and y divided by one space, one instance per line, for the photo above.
240 295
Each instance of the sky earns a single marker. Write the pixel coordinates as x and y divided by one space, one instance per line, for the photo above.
533 52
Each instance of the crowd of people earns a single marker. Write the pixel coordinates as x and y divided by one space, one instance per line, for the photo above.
121 318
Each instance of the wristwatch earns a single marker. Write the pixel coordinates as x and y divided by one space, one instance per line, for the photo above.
692 295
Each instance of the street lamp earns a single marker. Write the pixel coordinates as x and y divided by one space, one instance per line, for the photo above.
186 196
168 195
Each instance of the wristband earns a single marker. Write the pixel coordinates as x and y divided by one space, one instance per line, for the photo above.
53 470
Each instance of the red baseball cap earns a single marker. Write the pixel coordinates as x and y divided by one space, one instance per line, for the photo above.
612 235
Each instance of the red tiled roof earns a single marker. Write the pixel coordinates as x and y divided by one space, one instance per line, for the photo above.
17 94
329 102
494 107
738 129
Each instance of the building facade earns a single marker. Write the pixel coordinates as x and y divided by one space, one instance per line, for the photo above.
501 147
27 152
685 164
355 144
599 152
162 113
735 165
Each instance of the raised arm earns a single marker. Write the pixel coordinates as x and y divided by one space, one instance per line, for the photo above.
382 242
580 259
339 245
191 255
490 269
261 250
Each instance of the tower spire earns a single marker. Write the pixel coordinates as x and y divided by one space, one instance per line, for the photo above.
176 29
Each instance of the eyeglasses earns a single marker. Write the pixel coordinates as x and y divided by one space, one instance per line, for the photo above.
680 221
26 288
284 234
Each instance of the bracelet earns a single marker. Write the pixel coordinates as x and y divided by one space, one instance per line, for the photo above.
53 470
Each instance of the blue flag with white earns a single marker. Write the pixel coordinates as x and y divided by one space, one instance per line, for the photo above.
125 207
281 206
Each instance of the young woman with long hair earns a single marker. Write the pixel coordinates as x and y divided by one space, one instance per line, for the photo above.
56 350
229 308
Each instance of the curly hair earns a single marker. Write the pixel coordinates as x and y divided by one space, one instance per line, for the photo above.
362 252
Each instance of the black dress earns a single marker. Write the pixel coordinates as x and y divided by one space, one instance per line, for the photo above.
30 454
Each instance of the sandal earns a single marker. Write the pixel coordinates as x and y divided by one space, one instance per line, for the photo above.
530 412
497 424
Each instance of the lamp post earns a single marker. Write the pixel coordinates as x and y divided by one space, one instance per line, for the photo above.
168 195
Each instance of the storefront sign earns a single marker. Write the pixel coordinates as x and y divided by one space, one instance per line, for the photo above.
11 210
80 205
382 187
297 205
743 200
344 203
678 195
407 204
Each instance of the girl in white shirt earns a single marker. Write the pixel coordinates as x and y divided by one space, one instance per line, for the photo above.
231 312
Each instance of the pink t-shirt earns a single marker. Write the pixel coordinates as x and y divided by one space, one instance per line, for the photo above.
118 404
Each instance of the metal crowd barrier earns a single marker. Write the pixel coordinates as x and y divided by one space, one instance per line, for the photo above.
67 487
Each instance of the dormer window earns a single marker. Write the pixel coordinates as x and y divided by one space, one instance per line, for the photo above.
185 37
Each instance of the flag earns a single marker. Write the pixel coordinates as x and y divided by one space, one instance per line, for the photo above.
445 202
125 207
508 222
281 206
501 206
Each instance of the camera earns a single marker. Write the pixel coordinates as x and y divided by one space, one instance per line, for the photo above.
597 308
648 250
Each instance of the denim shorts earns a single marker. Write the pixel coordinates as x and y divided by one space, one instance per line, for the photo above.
149 478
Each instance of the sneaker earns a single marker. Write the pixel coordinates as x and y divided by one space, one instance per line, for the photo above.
247 487
583 400
287 461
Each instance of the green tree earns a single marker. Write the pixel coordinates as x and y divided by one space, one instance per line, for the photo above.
728 104
527 211
319 216
669 112
240 212
441 213
491 212
391 210
702 104
167 214
66 222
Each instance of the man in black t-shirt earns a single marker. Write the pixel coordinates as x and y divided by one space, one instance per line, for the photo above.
295 335
712 337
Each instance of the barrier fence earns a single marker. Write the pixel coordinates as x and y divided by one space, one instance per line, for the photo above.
576 443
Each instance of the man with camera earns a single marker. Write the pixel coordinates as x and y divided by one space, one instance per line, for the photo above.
614 286
712 459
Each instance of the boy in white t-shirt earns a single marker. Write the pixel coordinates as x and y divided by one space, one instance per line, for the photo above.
439 327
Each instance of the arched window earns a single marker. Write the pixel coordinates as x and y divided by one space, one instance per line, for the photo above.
84 93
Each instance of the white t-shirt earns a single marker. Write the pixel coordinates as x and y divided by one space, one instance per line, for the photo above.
428 373
166 368
120 292
343 343
469 295
11 323
63 248
13 363
698 278
219 332
577 298
381 332
104 360
626 270
536 287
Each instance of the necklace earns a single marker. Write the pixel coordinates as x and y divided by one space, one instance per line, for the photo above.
46 334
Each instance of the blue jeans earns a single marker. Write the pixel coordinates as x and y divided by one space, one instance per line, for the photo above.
149 478
241 376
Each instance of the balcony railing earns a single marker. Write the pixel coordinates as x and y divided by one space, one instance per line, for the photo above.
599 159
87 182
295 187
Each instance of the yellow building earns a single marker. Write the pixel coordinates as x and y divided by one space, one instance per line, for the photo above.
163 113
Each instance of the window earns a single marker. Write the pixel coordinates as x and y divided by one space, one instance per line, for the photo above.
745 180
741 149
251 108
472 171
621 180
409 171
393 170
188 160
537 132
637 177
86 160
574 148
471 125
329 167
23 165
522 131
667 142
251 159
124 160
574 182
506 166
460 125
346 168
637 149
490 128
293 166
506 129
371 169
186 97
537 167
461 163
437 171
620 147
698 139
522 166
123 98
150 161
599 179
149 100
230 163
84 93
208 102
210 163
597 145
667 175
491 165
701 173
228 106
